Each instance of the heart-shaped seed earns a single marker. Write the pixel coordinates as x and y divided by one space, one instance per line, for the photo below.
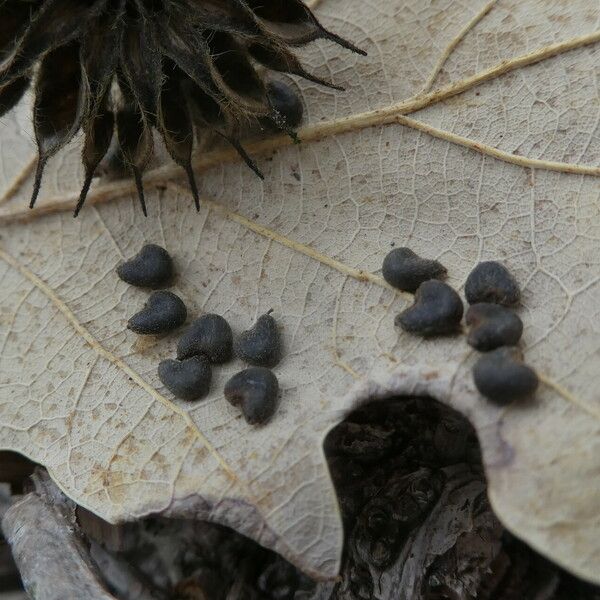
188 379
492 326
405 270
492 282
210 335
151 267
255 391
502 376
163 312
437 309
260 345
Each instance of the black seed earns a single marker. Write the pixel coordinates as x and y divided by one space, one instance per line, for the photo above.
255 391
151 267
492 282
492 326
210 335
284 100
260 345
502 376
437 309
188 379
405 270
163 312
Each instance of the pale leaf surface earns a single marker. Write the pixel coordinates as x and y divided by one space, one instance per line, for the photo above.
501 163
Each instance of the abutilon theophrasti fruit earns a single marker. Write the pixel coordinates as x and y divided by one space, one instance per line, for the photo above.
128 66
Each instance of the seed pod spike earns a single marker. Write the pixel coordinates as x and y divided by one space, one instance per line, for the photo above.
175 125
37 181
135 141
85 188
328 84
193 187
277 58
240 150
97 141
340 41
137 175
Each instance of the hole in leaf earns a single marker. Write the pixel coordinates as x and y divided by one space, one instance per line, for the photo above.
15 470
417 521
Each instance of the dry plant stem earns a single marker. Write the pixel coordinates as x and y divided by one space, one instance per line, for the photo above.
52 559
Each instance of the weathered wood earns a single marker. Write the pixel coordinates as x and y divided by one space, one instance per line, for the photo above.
51 557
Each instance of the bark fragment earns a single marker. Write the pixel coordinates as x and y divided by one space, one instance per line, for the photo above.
52 559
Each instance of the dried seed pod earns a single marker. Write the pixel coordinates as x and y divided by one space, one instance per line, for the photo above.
163 312
188 379
97 141
492 326
502 376
151 267
405 270
492 282
255 391
59 106
437 309
135 142
209 335
215 46
260 345
175 125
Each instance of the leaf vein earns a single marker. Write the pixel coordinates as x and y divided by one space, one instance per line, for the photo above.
455 42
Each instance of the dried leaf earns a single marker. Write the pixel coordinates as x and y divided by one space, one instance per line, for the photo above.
499 161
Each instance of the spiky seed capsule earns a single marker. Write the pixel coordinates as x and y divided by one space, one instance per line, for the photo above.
492 326
151 267
491 281
261 344
163 312
211 336
188 379
437 310
405 270
502 376
175 64
255 391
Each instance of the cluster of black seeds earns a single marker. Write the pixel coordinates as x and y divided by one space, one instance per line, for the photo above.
207 341
494 328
